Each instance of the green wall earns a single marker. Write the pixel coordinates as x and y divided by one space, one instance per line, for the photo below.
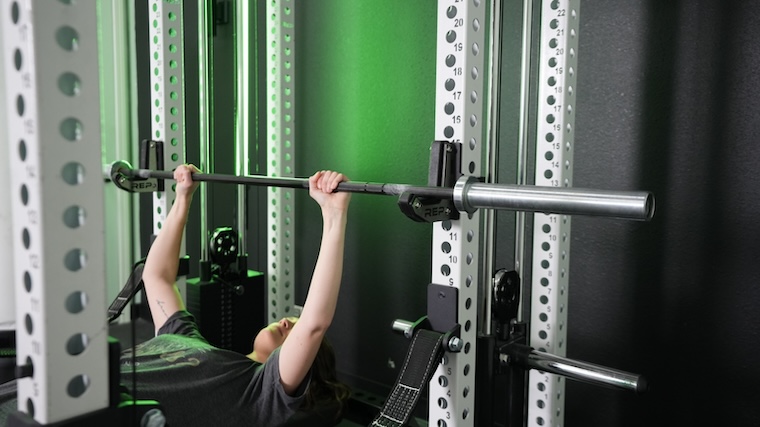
365 77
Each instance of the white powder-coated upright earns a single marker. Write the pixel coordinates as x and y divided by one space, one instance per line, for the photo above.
280 152
461 80
167 83
558 61
50 56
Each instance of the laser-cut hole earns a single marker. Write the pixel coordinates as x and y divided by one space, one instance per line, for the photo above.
71 129
28 324
20 106
77 344
75 259
67 38
69 84
78 385
76 302
18 59
73 173
74 216
15 13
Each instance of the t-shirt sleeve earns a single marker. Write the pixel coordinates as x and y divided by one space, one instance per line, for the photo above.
274 404
181 323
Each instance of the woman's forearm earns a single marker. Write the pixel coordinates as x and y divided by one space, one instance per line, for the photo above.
322 297
160 270
300 348
163 258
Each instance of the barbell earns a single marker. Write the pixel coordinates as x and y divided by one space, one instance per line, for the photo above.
468 194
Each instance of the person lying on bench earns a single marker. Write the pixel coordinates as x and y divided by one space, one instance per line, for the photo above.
290 365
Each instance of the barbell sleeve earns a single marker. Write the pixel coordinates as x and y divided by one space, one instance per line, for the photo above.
470 195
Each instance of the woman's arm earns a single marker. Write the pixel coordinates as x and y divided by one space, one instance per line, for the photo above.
160 272
299 349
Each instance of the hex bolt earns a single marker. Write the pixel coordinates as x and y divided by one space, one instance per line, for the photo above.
455 344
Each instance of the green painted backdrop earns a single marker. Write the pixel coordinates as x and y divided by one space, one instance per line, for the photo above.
365 77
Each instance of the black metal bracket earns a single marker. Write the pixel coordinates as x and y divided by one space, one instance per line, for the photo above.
445 169
424 209
442 307
442 311
445 164
151 156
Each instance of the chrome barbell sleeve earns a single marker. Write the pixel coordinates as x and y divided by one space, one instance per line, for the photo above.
470 195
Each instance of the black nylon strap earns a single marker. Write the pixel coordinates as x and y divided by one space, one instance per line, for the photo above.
133 285
422 358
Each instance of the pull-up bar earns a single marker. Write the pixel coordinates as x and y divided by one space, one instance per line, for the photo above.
468 194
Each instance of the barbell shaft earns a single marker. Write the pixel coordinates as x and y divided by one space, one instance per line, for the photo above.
302 183
468 194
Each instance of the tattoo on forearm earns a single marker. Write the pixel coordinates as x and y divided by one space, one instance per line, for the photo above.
161 305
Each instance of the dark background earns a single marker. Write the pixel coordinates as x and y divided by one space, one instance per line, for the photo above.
666 102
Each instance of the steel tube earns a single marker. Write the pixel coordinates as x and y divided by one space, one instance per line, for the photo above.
403 326
492 161
242 122
470 195
526 62
205 111
585 372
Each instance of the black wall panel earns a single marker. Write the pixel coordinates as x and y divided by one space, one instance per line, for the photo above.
668 102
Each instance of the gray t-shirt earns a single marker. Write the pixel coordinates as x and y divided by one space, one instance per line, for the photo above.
198 384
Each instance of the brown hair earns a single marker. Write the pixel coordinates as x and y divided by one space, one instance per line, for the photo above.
325 390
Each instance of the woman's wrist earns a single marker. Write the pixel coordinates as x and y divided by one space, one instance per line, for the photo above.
184 197
333 216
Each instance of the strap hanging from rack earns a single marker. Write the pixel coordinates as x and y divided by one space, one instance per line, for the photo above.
420 363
